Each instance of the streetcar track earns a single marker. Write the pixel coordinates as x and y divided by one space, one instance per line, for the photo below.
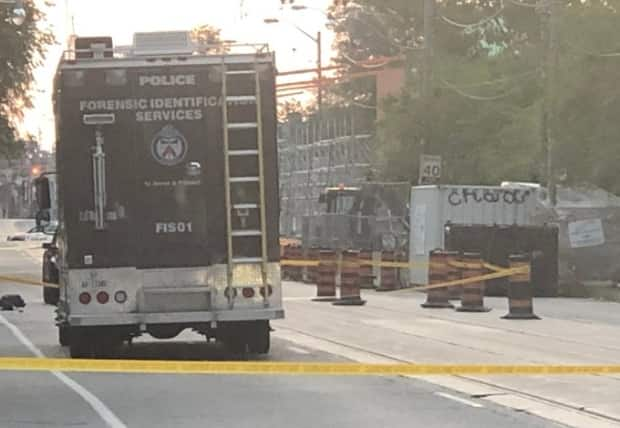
513 391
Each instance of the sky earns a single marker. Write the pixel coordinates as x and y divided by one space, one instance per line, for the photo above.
240 20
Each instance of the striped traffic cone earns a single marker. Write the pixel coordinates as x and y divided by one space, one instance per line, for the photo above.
520 295
326 284
438 272
388 274
350 280
472 299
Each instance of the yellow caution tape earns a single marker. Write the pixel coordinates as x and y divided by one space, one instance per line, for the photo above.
499 273
26 281
397 265
314 263
291 368
458 282
494 268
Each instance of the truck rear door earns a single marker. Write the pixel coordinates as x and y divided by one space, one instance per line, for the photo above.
171 144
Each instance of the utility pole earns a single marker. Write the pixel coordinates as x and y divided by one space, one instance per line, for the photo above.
550 13
427 73
319 71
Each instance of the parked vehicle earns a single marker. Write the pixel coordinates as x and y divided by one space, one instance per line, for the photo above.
167 194
38 233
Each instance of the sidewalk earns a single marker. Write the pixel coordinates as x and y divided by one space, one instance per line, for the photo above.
395 327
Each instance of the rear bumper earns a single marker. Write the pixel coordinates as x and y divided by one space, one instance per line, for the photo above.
175 317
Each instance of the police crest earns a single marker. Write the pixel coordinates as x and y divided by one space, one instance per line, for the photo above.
169 146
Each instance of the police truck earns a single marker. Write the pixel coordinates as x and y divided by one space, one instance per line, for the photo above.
167 189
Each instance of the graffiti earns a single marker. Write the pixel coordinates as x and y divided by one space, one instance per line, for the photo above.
491 196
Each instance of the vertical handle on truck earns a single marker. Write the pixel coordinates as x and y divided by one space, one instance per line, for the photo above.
99 178
98 121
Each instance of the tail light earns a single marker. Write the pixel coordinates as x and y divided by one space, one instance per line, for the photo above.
248 292
103 297
85 298
120 297
269 291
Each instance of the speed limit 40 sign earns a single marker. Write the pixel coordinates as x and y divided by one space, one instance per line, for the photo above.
430 169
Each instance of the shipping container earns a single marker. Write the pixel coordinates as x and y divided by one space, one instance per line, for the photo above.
435 207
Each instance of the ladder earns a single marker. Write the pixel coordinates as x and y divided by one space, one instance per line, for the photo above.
233 133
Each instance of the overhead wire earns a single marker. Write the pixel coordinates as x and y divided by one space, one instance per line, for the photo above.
592 53
475 24
478 97
381 32
494 82
368 66
523 4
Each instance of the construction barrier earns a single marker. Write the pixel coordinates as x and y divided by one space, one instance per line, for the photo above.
326 284
388 273
402 273
366 270
454 273
296 253
292 368
520 291
285 256
438 272
350 280
472 299
313 271
304 269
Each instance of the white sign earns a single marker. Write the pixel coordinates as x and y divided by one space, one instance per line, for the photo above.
172 80
586 233
419 230
430 169
173 227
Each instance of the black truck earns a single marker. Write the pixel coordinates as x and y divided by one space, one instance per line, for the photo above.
167 193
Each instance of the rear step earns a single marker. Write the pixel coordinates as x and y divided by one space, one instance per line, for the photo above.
242 125
237 233
247 260
244 179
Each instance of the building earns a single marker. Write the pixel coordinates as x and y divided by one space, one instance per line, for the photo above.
315 154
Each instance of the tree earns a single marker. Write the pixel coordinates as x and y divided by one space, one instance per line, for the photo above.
11 148
22 49
294 106
208 39
485 111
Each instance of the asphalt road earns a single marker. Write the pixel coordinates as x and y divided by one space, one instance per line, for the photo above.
118 400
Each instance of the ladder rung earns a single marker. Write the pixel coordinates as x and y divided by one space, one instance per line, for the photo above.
240 72
243 153
244 179
241 260
238 233
245 206
240 98
243 125
248 286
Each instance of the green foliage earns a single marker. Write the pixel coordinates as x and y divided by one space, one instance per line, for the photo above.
484 117
22 49
208 40
10 147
